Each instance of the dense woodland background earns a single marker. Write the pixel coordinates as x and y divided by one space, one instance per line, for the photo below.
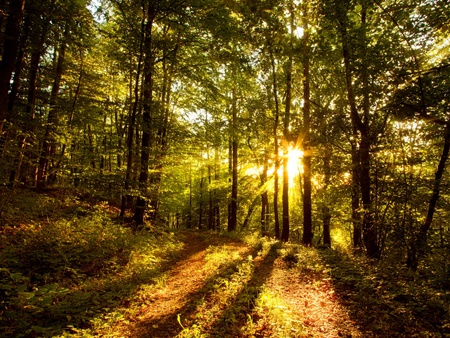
325 123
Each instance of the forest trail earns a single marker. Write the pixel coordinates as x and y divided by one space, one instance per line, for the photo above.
273 300
181 289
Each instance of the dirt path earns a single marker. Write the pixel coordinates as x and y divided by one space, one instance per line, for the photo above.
307 301
313 301
181 290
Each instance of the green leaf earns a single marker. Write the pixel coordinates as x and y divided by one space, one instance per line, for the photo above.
47 301
27 295
21 288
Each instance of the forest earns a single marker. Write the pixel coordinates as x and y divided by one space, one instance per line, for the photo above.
224 168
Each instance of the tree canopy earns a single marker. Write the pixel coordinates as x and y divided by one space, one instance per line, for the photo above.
324 122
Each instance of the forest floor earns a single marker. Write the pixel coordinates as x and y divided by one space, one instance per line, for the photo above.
70 268
275 292
275 301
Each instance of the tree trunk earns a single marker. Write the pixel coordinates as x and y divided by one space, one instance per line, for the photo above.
189 215
49 141
276 146
9 55
368 224
356 219
18 68
286 134
418 248
200 202
126 196
216 200
26 137
147 117
232 221
265 210
307 202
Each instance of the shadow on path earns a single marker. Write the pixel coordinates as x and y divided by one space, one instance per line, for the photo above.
186 286
235 316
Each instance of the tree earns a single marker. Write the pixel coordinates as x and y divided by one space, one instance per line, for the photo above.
307 213
10 49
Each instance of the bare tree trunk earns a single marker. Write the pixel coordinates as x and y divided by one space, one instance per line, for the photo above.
307 202
326 214
216 200
265 208
126 197
418 248
276 146
9 55
356 219
49 142
232 221
200 202
147 116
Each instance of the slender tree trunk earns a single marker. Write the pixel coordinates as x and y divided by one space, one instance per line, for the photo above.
276 146
189 215
147 117
286 134
285 193
49 142
211 225
307 202
216 200
9 55
18 68
232 221
264 196
356 219
249 215
91 150
72 114
126 196
418 248
326 214
200 202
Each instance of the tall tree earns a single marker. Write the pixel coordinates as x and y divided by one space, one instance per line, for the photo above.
148 106
232 217
49 142
307 203
10 49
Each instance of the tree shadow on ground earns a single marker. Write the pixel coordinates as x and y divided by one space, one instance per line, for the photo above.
235 316
379 306
168 326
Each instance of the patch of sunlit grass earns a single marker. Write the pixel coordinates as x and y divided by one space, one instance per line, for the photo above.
273 316
228 295
219 256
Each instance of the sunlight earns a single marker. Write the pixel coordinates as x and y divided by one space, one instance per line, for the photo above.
294 156
294 162
295 168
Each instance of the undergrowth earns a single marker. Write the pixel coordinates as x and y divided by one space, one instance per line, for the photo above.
67 267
